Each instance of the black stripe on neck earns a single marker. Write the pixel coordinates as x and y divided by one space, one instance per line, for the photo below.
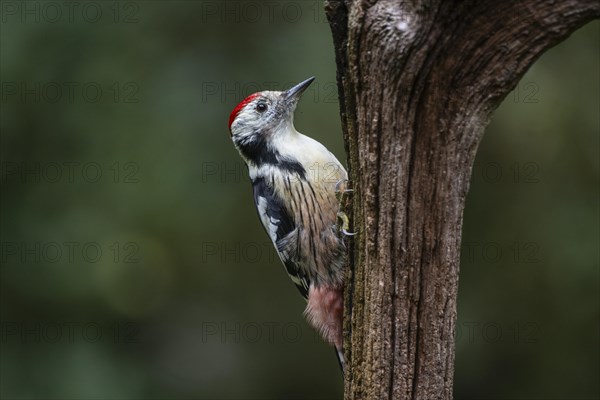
259 153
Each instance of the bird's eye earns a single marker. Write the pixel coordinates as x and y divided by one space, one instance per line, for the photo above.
261 107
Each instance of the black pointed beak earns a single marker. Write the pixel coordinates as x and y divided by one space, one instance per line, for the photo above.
293 94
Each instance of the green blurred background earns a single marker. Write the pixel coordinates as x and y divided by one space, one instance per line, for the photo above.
133 263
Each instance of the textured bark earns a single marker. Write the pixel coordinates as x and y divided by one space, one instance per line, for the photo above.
418 81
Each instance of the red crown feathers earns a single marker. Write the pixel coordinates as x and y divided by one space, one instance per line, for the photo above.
239 107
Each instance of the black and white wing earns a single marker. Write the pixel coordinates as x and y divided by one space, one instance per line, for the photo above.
282 230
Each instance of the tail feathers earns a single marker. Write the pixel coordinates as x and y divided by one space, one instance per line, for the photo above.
339 353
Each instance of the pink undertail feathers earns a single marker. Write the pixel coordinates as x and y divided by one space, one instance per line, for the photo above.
325 313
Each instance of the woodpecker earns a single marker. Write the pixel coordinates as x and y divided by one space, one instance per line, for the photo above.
296 182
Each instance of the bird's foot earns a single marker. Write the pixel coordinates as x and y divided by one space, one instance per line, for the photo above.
343 222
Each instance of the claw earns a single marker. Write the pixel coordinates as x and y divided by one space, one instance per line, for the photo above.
345 232
345 224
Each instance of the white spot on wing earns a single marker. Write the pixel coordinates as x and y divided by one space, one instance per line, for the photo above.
271 224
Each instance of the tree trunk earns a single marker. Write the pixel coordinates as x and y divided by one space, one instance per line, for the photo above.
418 81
